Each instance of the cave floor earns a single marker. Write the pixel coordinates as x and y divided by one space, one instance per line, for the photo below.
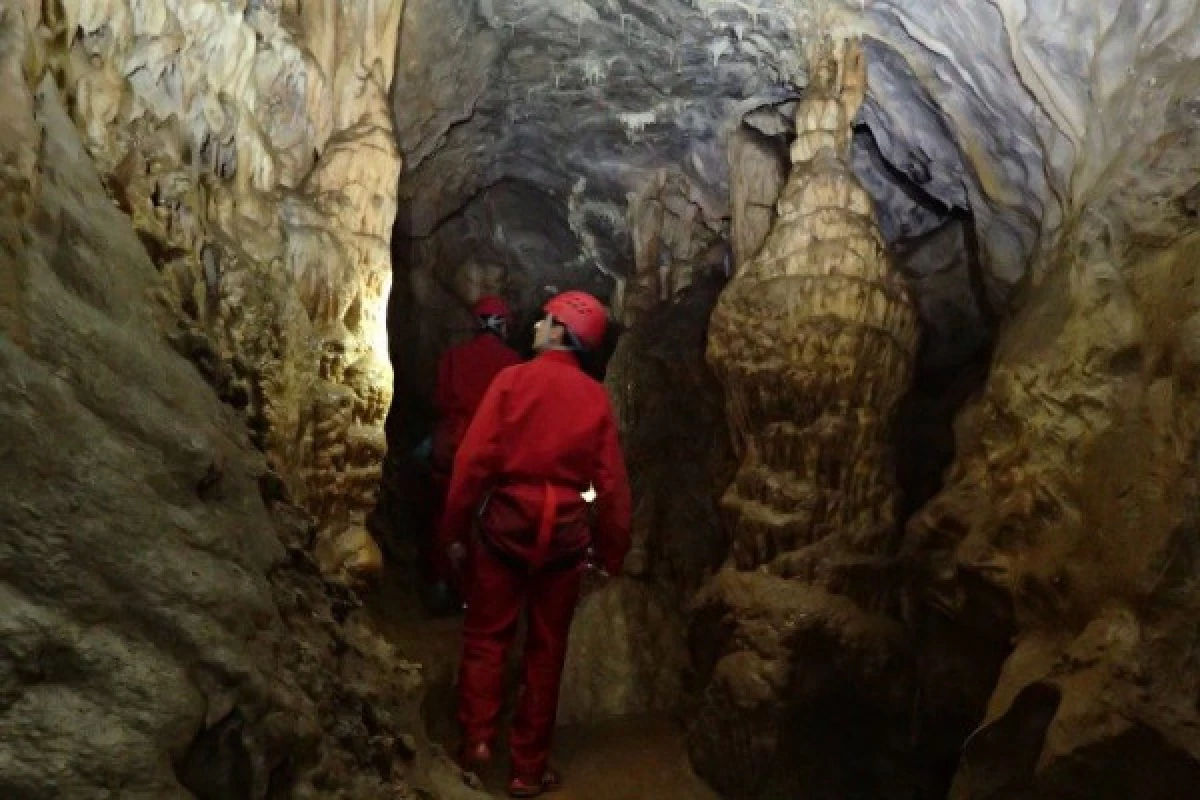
623 759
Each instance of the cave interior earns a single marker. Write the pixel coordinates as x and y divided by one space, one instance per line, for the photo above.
903 346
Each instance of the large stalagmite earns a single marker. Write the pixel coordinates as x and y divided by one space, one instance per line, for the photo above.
814 341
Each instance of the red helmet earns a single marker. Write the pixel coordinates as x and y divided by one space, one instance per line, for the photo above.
491 305
582 315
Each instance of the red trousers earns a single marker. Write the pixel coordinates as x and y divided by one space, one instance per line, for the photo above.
496 595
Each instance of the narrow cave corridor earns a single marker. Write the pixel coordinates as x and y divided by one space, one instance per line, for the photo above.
902 351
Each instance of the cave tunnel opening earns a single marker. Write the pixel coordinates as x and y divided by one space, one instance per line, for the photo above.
659 245
520 239
866 563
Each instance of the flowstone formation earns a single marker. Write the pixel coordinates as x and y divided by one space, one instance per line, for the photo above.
252 145
627 651
814 341
678 238
163 633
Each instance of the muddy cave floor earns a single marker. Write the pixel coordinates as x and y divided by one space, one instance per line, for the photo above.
623 759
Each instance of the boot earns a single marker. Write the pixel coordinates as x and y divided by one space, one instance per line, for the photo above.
520 787
475 757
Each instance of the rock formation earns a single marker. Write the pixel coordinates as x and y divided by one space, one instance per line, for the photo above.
253 148
175 623
627 653
756 177
814 341
678 238
161 634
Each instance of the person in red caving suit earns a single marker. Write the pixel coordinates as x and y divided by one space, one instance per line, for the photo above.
519 525
464 374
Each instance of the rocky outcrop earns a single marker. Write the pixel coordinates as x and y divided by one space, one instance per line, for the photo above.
678 239
814 341
252 145
757 171
1073 502
163 634
1066 515
627 652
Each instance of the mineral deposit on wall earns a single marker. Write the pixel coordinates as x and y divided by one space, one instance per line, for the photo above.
813 341
252 145
161 634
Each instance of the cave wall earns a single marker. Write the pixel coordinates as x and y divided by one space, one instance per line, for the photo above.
1074 499
1094 171
1066 505
627 651
165 630
252 146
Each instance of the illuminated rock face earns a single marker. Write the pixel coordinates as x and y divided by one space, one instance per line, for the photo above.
165 635
814 342
252 145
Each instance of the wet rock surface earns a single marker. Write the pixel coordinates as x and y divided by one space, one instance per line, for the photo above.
165 634
251 144
1033 169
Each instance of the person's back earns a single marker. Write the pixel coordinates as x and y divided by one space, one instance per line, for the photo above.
464 373
554 438
543 435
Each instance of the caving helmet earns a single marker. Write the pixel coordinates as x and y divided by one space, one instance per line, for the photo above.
584 317
493 314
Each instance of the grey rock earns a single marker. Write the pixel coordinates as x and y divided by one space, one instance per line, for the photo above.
133 602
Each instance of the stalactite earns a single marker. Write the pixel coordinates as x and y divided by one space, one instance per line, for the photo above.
255 154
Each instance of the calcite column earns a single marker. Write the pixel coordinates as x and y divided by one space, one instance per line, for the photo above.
804 675
814 342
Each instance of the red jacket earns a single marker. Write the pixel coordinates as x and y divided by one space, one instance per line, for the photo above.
544 432
464 373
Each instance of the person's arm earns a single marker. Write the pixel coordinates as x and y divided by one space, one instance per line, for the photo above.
612 501
475 466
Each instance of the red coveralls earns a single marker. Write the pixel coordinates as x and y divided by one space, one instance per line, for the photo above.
544 432
464 374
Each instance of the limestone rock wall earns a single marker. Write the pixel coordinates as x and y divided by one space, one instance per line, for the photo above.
814 342
627 652
756 176
252 145
1073 504
677 239
1064 518
161 634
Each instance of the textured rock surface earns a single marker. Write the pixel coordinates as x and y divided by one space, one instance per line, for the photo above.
627 652
1074 501
252 145
626 655
814 341
1067 504
598 97
163 635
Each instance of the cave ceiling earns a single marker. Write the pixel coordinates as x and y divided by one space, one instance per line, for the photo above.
586 99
